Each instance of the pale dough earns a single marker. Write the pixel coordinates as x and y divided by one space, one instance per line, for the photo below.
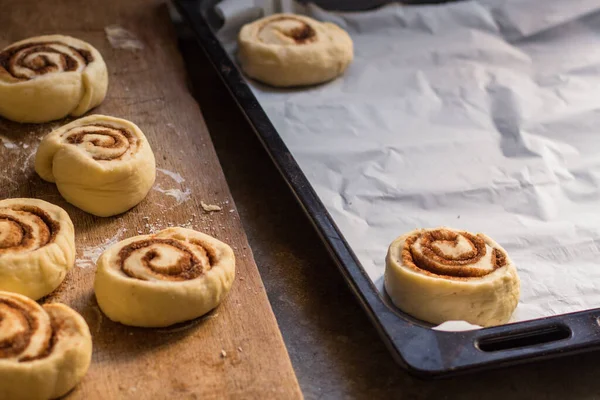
45 352
441 274
293 50
37 246
49 77
101 164
158 280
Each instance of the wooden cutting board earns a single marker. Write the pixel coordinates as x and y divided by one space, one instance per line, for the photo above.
237 350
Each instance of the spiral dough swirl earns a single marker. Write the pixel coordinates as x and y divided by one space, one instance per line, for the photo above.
26 331
451 253
25 228
44 350
102 142
166 259
286 30
33 59
161 279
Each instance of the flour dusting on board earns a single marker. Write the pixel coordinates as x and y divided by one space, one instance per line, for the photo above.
92 253
24 154
121 38
8 143
173 175
179 195
27 162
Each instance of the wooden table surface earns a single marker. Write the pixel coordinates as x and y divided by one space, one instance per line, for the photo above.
237 350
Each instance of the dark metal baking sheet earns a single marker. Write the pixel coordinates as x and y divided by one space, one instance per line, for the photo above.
418 348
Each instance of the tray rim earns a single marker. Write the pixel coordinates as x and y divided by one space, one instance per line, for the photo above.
422 351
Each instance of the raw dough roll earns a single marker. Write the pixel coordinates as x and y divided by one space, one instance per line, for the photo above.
49 77
158 280
292 50
101 164
45 351
37 246
442 274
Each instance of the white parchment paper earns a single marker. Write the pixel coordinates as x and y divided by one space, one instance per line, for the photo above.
479 115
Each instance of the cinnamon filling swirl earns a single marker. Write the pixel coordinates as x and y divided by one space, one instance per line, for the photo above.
26 228
26 332
102 142
456 255
30 60
165 259
293 31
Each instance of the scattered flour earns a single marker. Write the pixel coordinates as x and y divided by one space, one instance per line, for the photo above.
91 254
158 225
29 157
173 175
152 228
8 143
5 177
178 194
121 38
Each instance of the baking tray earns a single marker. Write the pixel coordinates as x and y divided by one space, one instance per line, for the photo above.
423 351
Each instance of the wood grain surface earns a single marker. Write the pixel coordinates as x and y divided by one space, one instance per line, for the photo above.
234 352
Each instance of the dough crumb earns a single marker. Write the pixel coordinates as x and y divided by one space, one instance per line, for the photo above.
223 354
210 207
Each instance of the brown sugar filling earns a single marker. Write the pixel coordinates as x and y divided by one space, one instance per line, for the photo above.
434 262
14 345
301 35
20 236
41 64
188 265
121 139
57 326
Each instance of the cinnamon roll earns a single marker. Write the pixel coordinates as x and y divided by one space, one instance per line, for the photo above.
292 50
37 247
44 350
158 280
442 274
101 164
49 77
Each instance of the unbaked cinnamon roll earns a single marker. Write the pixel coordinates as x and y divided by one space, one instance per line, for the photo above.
158 280
442 274
293 50
44 351
37 246
101 164
49 77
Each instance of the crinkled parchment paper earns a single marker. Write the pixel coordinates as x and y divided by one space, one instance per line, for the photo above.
480 115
